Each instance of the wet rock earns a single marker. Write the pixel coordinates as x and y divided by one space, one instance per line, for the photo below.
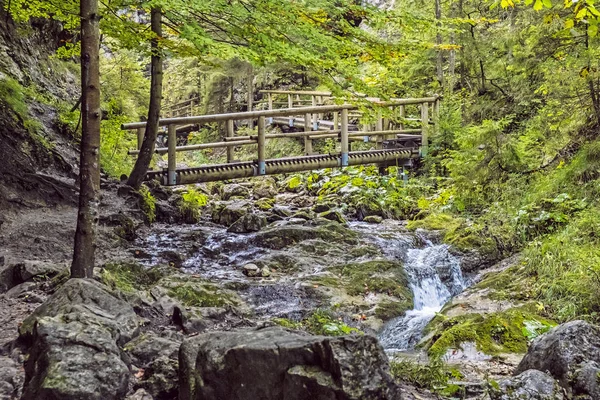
11 379
562 351
281 236
29 269
227 214
158 357
8 279
264 190
373 219
125 226
282 211
2 261
586 380
23 291
251 270
234 190
265 272
283 365
302 215
529 385
248 223
333 215
319 208
264 204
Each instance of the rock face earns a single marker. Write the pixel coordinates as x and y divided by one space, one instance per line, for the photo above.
76 341
529 385
570 353
274 363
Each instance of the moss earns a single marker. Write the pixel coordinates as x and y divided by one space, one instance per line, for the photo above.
265 204
13 96
378 276
287 323
493 334
324 322
147 204
190 204
366 250
387 310
434 375
514 283
201 294
324 280
130 277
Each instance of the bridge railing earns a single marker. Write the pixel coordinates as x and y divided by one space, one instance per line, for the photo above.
339 130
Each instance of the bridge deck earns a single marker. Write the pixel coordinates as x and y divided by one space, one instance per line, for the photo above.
246 169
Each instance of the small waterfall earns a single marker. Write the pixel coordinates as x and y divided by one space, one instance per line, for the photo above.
435 276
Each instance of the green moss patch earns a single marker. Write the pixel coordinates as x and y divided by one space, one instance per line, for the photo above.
193 292
320 322
387 310
130 277
495 333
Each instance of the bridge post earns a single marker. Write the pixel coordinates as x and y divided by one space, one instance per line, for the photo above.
424 129
307 140
270 102
336 120
379 128
230 133
291 105
262 167
140 137
436 116
344 138
171 155
315 119
402 114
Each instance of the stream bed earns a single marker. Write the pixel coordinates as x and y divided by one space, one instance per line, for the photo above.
302 255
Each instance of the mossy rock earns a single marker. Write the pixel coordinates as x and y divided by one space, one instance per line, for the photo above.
387 310
194 292
333 215
282 236
265 204
131 277
493 334
376 276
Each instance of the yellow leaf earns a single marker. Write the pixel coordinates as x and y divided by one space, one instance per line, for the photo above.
569 23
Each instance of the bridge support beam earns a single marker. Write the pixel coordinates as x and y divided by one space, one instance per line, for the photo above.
230 133
308 149
344 139
424 129
262 168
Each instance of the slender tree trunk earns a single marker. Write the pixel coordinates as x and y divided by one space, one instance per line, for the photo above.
147 150
438 41
89 165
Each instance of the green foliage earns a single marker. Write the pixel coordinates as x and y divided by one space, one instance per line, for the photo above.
434 375
192 201
13 96
147 204
323 322
200 295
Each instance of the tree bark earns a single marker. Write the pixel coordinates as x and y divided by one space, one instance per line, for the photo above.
89 165
438 42
147 150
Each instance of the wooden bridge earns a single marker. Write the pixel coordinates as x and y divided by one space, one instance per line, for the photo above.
394 143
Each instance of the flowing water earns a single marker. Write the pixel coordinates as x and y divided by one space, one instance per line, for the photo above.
213 253
425 268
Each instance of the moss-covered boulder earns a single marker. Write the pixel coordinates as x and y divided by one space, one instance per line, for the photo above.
333 215
234 190
227 213
248 223
279 237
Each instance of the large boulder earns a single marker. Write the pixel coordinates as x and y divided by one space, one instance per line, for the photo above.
227 213
529 385
562 351
76 338
275 363
11 379
248 223
234 190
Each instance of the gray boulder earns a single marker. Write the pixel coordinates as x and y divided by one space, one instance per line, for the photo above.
76 338
529 385
234 190
561 351
27 270
227 214
275 363
74 357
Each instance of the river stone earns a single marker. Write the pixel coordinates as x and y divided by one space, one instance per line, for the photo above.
373 219
74 357
227 214
277 364
563 350
248 223
586 380
234 190
89 298
333 215
529 385
251 270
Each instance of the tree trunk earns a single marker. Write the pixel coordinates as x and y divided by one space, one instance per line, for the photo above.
89 165
438 41
147 150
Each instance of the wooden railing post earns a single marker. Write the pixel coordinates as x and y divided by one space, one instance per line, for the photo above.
379 128
344 138
320 100
401 115
291 105
436 116
171 155
230 133
140 137
262 166
424 129
270 101
315 121
307 140
336 120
